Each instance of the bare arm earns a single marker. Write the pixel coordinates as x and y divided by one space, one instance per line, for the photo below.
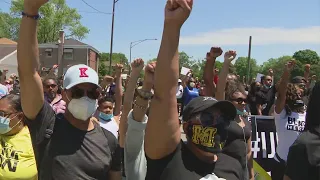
221 86
250 160
137 66
163 113
208 77
32 98
114 175
140 112
185 80
118 90
208 74
282 90
259 109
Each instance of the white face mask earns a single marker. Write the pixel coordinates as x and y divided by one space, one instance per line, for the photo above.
82 108
192 84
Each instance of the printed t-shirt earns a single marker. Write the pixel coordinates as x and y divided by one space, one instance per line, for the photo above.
17 157
288 129
189 94
183 164
70 153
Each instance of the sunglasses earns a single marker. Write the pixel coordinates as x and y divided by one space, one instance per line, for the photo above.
4 114
50 86
207 119
240 100
78 93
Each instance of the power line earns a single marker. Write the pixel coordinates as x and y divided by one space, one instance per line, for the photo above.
94 8
90 12
5 2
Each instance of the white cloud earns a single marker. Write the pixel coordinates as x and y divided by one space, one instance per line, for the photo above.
260 36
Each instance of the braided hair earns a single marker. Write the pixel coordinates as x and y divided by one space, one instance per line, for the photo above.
291 97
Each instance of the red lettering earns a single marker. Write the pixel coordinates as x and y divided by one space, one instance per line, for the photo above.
83 72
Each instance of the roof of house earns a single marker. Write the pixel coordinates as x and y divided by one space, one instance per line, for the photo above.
7 41
71 43
5 51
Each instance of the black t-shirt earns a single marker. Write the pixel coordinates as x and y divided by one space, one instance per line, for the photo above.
266 97
236 144
183 164
252 104
303 161
70 153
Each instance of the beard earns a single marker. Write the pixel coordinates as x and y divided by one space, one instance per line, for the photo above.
50 96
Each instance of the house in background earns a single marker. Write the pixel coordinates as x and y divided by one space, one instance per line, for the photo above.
74 52
8 56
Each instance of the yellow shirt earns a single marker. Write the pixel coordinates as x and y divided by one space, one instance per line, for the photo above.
17 157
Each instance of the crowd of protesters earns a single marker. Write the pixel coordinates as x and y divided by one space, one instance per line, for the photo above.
81 127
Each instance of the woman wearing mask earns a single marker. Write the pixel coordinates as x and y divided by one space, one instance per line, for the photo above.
303 160
17 156
238 144
289 119
189 89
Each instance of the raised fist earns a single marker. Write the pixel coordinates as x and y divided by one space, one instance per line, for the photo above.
149 71
290 65
216 52
307 68
137 65
119 68
271 72
178 11
230 56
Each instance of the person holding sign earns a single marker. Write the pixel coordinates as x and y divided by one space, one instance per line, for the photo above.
289 119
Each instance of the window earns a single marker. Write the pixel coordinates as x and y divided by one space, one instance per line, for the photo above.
48 53
68 54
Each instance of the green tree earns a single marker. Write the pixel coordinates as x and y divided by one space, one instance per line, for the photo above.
102 71
241 66
116 58
185 60
306 57
55 15
277 65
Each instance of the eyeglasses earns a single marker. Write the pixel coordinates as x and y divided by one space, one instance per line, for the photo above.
50 86
240 100
78 93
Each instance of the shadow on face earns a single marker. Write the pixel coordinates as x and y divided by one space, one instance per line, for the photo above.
81 90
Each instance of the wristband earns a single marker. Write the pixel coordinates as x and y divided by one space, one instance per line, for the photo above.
139 106
35 17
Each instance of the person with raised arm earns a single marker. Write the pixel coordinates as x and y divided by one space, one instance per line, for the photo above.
289 118
137 65
135 160
238 143
208 74
69 145
204 118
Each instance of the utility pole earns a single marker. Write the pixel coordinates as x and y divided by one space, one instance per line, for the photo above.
112 28
249 57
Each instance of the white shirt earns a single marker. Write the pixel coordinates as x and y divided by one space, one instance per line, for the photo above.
111 126
288 129
179 92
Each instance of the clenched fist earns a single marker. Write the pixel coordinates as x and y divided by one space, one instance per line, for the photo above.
177 11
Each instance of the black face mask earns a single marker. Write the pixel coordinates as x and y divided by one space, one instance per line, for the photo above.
209 138
296 104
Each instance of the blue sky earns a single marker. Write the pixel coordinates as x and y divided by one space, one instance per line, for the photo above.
278 27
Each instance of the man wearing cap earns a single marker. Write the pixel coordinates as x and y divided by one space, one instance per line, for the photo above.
69 145
204 119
